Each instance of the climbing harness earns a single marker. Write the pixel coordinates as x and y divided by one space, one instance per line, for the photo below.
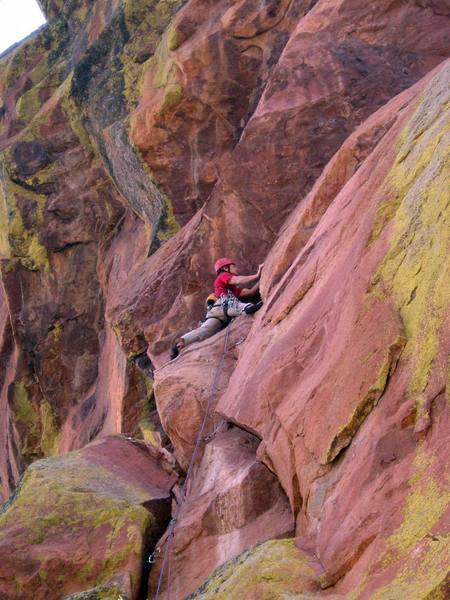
225 304
200 438
228 301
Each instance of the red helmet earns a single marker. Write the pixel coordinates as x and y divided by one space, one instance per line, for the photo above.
222 262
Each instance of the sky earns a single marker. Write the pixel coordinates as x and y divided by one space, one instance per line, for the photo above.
18 18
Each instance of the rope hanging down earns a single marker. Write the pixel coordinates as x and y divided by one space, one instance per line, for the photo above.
198 441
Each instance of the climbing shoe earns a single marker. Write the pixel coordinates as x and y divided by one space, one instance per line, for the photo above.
252 308
174 352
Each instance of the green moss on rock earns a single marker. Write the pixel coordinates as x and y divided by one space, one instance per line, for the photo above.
101 592
273 569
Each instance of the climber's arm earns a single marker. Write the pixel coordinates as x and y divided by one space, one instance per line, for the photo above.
249 291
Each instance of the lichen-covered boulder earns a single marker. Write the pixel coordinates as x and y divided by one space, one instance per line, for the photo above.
274 570
101 592
83 520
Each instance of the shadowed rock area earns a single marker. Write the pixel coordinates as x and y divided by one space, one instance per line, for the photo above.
302 452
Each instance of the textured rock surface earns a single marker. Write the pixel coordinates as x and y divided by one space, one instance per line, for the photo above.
84 519
63 221
184 387
141 139
349 328
232 501
336 69
275 569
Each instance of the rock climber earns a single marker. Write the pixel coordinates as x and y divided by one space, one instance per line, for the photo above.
224 304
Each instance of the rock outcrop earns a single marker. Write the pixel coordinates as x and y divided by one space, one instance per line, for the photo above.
232 501
187 387
317 372
274 569
141 140
85 519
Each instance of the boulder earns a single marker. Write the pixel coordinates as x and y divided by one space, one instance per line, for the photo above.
273 569
86 519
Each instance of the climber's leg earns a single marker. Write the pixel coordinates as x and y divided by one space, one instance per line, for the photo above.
208 328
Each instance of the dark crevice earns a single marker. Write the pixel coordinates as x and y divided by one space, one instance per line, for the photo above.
69 245
343 440
44 188
161 513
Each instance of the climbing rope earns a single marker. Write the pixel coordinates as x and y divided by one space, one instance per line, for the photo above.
200 438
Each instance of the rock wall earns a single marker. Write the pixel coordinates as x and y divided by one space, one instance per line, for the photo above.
141 140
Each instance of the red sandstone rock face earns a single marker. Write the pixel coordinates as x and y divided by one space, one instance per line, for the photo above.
337 338
84 519
123 122
232 502
335 70
60 212
202 86
184 387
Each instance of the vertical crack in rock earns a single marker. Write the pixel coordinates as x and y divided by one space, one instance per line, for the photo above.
366 404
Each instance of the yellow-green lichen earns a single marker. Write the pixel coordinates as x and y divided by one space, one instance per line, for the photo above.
74 116
19 585
423 578
5 251
29 104
276 569
24 243
37 257
27 420
385 213
168 225
86 570
50 434
425 504
23 409
173 94
173 39
420 546
166 75
57 330
69 494
149 433
416 269
26 59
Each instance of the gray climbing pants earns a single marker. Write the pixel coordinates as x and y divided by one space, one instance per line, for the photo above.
206 330
214 325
